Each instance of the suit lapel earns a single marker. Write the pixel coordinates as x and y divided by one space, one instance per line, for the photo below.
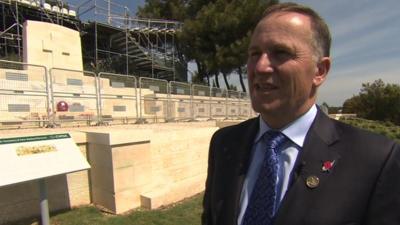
243 158
317 149
245 145
238 151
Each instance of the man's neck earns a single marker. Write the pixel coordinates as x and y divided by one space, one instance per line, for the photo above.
280 120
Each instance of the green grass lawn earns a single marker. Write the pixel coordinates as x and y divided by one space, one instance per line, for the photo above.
388 129
186 212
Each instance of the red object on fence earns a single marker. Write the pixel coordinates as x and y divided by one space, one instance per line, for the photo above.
62 106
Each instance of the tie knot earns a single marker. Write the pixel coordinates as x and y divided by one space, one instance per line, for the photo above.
274 139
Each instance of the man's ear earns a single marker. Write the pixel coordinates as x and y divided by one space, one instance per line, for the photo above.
323 67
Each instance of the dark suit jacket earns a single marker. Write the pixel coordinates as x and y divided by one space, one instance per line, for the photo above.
363 187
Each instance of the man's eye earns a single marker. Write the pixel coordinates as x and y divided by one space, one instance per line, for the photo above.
283 54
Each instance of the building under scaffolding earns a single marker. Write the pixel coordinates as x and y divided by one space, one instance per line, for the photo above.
15 13
113 40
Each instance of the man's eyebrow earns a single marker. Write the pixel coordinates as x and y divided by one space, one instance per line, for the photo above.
281 46
253 48
278 44
273 45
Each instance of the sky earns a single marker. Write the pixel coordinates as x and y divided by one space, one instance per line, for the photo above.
366 44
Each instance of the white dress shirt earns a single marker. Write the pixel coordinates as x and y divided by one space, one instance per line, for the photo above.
296 133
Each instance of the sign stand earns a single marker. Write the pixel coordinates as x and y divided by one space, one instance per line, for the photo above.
44 204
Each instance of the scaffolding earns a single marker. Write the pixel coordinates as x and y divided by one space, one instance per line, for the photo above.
15 12
113 40
117 42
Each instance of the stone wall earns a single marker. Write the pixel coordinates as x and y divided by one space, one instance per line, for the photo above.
131 166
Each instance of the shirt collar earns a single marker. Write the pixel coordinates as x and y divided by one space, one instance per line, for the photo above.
296 131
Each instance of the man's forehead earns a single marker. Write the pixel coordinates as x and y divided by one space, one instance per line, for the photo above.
291 18
281 28
290 23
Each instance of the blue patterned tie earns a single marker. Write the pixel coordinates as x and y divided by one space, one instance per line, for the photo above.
261 207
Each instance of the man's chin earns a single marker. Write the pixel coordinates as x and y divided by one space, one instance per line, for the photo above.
266 107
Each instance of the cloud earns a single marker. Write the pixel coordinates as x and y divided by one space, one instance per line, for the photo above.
375 40
363 17
343 83
372 67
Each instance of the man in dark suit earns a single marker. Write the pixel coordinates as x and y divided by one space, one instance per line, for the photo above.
324 172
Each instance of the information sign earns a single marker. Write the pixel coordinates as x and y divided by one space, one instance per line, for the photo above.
35 157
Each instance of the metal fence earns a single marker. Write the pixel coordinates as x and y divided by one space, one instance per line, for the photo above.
153 99
219 100
24 95
233 104
118 99
33 96
201 102
180 104
245 110
74 97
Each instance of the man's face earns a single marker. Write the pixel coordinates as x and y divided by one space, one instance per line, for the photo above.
283 70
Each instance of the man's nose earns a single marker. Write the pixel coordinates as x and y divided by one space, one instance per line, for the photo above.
263 64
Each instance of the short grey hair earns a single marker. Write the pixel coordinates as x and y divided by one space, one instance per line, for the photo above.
321 35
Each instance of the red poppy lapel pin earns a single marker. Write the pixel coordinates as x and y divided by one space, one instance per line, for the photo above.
327 166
